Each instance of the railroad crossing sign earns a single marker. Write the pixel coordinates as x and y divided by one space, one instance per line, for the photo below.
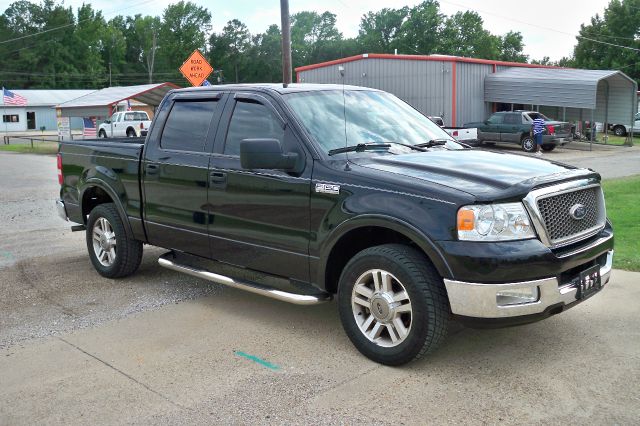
196 69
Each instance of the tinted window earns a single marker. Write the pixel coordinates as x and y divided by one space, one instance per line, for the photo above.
187 125
513 119
251 120
496 119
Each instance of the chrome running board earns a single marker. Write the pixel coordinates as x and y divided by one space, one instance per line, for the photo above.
297 299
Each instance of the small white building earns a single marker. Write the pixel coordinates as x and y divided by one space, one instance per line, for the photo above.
39 112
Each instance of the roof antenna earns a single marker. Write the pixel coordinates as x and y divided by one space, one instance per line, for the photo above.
344 112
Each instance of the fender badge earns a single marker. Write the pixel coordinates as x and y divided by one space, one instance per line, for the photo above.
325 188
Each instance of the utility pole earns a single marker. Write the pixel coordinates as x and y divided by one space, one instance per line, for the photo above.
286 42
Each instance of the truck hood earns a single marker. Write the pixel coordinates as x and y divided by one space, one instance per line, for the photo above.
486 175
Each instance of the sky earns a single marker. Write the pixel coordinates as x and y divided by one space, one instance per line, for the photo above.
548 27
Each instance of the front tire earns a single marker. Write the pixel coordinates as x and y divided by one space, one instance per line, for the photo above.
393 304
528 144
102 134
112 253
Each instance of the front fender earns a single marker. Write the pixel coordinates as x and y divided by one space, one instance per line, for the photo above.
398 225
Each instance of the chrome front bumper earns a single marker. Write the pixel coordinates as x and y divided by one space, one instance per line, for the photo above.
62 211
480 300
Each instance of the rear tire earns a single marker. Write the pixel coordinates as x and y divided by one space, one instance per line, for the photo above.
393 304
528 144
548 148
619 131
131 133
112 253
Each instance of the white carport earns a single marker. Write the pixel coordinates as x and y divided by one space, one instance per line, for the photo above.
101 103
570 94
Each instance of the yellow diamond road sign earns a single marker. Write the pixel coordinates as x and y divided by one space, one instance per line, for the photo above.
196 69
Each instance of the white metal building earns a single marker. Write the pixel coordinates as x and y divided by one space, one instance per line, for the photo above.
39 111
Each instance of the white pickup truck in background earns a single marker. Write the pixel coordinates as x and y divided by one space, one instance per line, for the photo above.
461 134
128 124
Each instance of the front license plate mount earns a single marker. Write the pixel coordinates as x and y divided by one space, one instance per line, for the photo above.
589 283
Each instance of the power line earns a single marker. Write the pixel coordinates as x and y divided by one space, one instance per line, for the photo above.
540 26
73 23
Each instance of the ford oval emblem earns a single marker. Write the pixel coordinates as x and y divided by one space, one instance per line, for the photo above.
578 211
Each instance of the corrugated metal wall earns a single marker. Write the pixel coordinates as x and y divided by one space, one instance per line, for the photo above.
470 104
426 85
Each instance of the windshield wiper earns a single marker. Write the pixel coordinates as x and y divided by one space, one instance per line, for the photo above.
373 145
433 142
359 148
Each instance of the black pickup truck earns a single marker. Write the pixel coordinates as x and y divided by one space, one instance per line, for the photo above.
309 191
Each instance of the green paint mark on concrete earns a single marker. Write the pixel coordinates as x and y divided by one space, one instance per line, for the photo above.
257 360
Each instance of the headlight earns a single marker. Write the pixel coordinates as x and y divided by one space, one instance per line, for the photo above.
494 222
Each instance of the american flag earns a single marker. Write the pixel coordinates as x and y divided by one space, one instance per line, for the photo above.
10 98
89 127
129 105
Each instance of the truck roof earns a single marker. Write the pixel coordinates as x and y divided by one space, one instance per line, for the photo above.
275 87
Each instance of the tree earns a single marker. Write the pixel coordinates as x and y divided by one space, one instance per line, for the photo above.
228 47
313 37
599 42
183 30
379 31
143 42
511 47
463 34
420 32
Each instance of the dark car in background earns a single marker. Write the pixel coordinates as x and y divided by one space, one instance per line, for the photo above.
515 127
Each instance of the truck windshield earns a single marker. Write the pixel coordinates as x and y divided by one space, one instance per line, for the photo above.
363 117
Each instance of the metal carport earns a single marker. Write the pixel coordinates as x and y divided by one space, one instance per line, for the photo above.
606 96
101 102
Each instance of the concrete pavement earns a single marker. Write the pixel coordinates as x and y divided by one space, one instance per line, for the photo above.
179 364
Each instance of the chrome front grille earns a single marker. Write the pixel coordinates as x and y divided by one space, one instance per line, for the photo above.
551 208
555 213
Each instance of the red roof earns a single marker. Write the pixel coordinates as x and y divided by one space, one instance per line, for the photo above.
441 58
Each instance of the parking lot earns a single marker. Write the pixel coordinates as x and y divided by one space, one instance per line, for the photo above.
165 348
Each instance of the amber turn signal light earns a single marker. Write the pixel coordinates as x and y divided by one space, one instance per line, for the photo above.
465 220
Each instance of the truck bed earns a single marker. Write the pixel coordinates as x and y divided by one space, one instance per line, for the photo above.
111 164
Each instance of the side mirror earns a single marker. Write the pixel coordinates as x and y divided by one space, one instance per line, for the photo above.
266 154
107 121
486 121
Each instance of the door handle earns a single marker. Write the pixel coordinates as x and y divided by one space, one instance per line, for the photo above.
217 178
152 169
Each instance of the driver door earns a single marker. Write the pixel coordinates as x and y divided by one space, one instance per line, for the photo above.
259 219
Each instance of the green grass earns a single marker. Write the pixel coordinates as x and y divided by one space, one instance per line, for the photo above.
619 140
38 148
623 208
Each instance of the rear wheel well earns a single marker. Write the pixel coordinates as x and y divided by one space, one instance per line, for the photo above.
93 197
354 242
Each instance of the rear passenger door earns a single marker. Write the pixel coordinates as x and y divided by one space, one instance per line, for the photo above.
176 174
259 218
511 128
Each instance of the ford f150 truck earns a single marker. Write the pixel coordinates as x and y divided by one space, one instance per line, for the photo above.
130 124
307 192
515 126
